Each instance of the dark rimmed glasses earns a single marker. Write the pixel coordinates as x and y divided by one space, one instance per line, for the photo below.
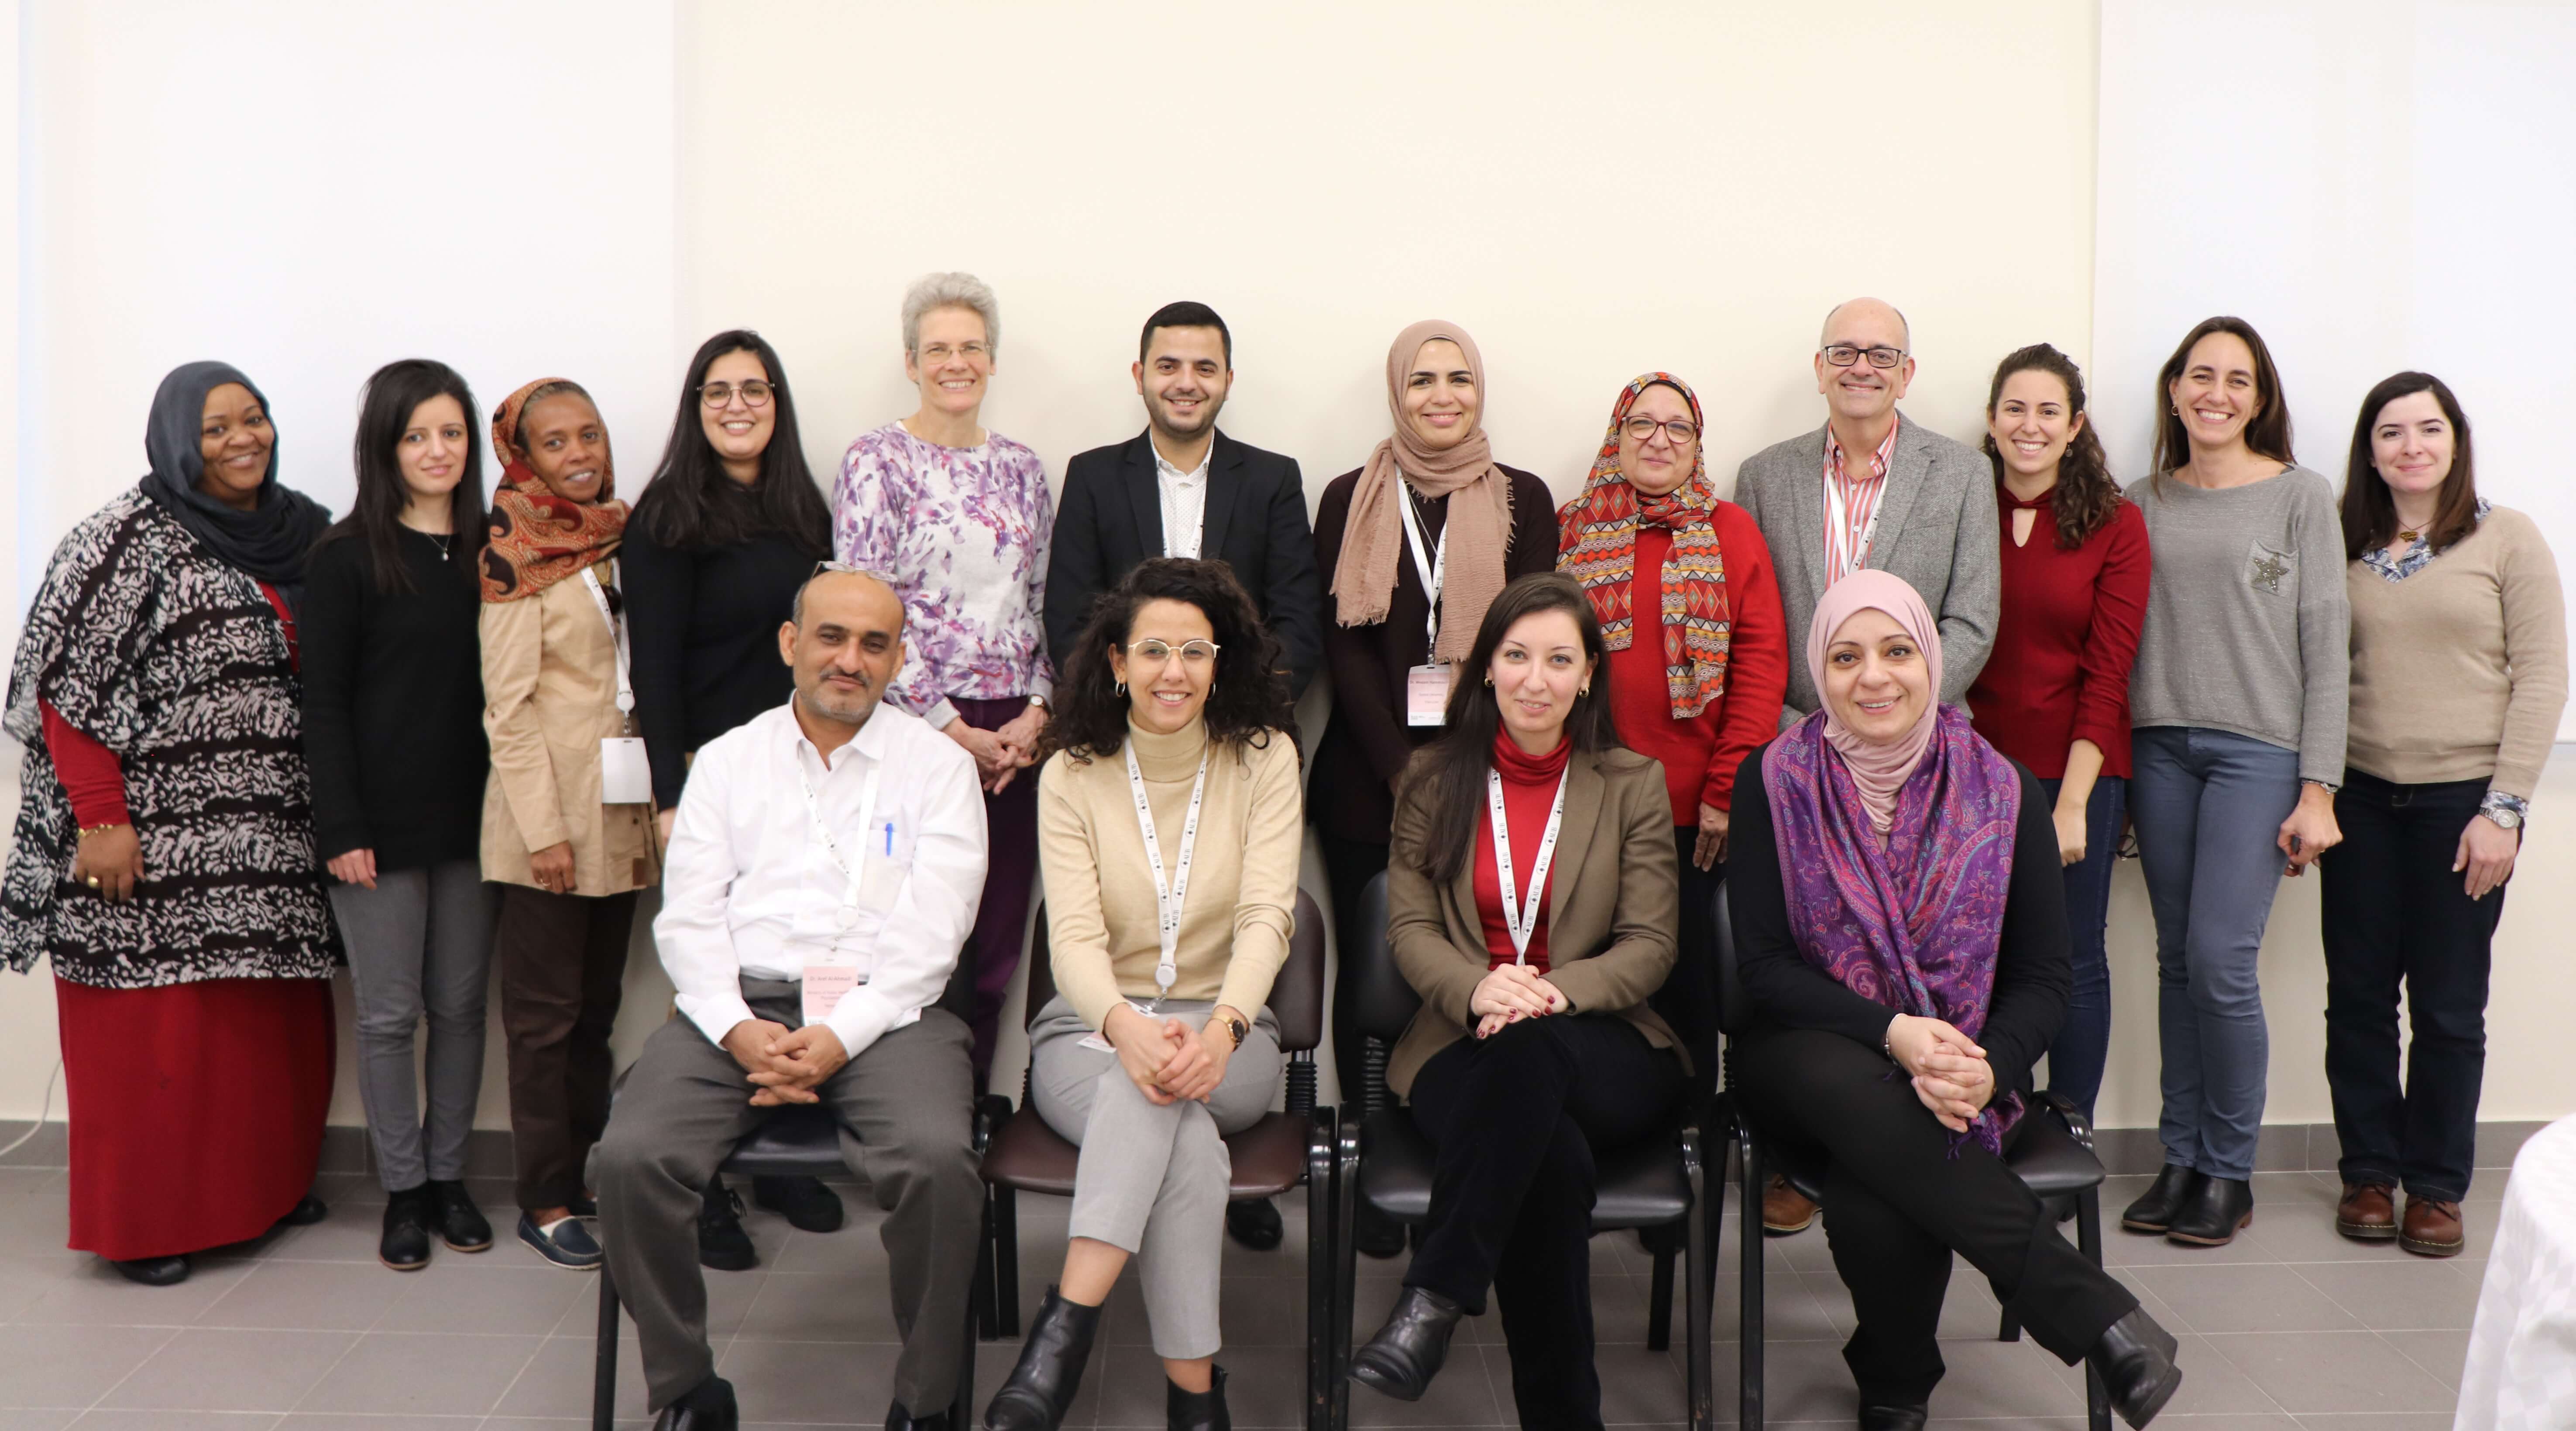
755 393
1843 355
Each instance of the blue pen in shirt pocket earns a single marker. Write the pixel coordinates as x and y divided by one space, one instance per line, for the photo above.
881 880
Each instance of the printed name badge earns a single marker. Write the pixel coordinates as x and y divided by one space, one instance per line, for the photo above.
827 978
624 777
1100 1041
1426 695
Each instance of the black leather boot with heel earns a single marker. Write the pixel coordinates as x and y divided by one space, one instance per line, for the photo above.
1197 1410
1407 1352
1049 1373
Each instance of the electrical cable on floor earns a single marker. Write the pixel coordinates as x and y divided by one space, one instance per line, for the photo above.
44 1111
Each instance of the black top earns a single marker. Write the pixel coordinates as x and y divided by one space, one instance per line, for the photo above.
703 634
1111 518
1367 742
393 705
2033 975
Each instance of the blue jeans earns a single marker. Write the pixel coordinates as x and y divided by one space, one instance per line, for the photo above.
2208 806
2083 1045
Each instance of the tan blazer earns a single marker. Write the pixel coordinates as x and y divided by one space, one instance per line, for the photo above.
549 697
1611 918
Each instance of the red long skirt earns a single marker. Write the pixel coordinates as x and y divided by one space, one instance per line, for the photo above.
196 1109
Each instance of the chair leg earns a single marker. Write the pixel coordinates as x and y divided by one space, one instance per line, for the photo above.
603 1371
1659 1302
1323 1263
982 1307
1748 1411
1702 1291
1346 1185
2010 1329
2088 1239
1006 1261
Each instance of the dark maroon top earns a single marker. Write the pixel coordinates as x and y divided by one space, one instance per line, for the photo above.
2064 640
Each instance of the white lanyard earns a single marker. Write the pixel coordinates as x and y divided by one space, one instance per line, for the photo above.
1432 571
1167 897
848 914
616 637
1520 920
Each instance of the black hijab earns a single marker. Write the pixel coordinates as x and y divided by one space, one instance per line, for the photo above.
269 541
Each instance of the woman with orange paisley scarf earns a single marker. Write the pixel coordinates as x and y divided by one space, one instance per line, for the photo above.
1652 545
568 812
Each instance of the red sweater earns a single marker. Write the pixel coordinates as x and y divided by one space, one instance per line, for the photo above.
1529 788
1700 755
2064 641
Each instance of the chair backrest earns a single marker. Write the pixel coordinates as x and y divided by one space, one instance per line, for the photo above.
1384 1001
1732 1008
1296 996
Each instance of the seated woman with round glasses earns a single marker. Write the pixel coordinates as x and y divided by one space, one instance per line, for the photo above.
1168 835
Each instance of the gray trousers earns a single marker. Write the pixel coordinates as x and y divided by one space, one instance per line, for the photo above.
1152 1180
420 943
906 1119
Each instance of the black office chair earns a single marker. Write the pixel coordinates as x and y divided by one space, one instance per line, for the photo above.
1387 1162
796 1141
1270 1158
2053 1158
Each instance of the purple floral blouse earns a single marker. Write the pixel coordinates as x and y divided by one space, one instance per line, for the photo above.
963 532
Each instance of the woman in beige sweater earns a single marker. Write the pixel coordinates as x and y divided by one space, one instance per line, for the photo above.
1168 835
2459 671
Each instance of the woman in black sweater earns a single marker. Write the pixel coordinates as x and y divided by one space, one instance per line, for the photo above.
393 734
1901 928
731 525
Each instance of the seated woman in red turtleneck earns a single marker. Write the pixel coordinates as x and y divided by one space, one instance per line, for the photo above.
1534 938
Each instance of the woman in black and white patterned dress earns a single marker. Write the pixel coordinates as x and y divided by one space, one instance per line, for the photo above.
164 851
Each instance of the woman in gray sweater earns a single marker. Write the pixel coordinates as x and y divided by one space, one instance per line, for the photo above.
2237 700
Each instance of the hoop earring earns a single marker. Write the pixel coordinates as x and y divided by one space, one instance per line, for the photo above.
1122 688
1585 689
1489 681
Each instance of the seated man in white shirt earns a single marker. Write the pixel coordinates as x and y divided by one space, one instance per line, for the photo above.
823 874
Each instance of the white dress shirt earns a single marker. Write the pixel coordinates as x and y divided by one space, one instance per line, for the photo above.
748 887
1184 497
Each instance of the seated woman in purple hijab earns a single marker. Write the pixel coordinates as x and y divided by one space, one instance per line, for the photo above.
1901 927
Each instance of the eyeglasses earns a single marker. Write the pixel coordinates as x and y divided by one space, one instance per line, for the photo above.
755 393
1642 429
941 352
1193 653
1843 355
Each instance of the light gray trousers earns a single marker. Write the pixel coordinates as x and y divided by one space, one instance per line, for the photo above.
420 943
1153 1180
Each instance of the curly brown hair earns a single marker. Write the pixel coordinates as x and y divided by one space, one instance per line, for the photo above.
2087 498
1247 701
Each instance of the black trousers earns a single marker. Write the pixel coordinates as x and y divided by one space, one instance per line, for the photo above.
1348 867
2395 910
563 970
1688 999
1900 1197
1516 1119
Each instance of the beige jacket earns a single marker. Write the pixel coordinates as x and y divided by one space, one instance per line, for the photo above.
1613 910
549 697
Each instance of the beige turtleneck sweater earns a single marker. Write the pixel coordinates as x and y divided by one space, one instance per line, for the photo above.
1238 913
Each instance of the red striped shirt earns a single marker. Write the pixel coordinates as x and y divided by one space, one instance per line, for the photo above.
1851 505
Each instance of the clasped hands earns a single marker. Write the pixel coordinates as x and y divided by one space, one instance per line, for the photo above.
1165 1058
786 1064
1000 755
1949 1069
1511 993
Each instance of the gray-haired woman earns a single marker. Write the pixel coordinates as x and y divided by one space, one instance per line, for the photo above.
958 518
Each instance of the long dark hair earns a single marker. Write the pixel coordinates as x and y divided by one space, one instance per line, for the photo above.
392 394
2369 511
691 503
2087 499
1247 701
1452 768
2267 435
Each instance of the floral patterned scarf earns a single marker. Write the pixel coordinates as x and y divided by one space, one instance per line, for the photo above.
1597 546
538 538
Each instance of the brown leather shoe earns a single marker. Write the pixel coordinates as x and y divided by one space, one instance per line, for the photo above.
1785 1210
2368 1212
2433 1228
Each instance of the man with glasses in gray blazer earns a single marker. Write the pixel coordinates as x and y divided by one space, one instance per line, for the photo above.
1870 489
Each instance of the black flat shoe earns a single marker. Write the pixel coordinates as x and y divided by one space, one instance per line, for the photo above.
1197 1410
154 1271
460 1224
807 1205
1255 1223
1049 1373
405 1244
2215 1212
1376 1234
722 1244
1887 1417
1407 1352
898 1419
709 1406
304 1214
2155 1211
2135 1360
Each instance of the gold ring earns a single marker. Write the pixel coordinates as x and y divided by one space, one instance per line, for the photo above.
93 882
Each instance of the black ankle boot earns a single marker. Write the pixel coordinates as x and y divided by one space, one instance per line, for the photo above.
709 1406
2215 1212
898 1419
1891 1416
461 1225
154 1271
2155 1212
1042 1385
722 1244
2135 1359
1406 1353
1197 1410
405 1244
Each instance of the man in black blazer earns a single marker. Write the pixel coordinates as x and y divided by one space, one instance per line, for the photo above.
1182 488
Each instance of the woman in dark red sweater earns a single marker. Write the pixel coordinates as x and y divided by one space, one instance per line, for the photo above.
2054 693
1652 545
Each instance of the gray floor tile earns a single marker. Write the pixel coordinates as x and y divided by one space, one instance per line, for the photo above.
212 1369
2213 1386
108 1419
421 1374
309 1296
34 1222
2333 1371
2443 1353
2416 1421
837 1383
457 1292
1265 1386
71 1366
2246 1297
814 1307
36 1419
1638 1386
556 1381
2399 1292
88 1291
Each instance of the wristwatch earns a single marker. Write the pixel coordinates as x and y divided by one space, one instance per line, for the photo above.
2505 810
1042 703
1239 1029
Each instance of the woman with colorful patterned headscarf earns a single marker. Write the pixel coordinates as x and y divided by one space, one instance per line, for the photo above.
1654 546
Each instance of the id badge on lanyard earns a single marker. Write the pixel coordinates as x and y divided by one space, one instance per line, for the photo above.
1520 919
625 777
836 970
1170 895
1426 687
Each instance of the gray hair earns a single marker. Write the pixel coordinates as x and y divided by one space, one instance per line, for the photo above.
950 290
